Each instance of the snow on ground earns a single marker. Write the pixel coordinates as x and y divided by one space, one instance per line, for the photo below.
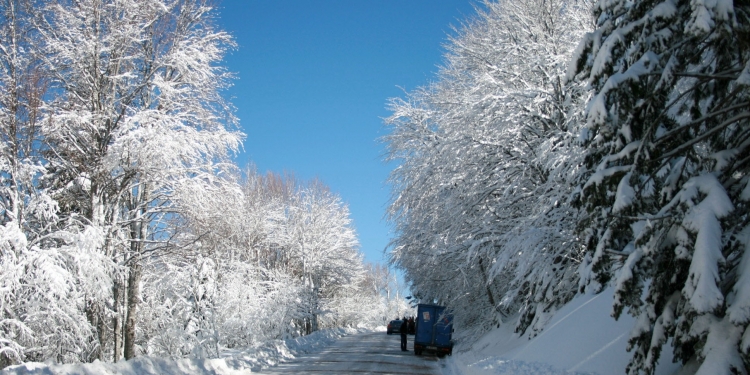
233 362
581 338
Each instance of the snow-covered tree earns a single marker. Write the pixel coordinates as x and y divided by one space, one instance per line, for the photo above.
285 253
17 133
321 244
43 261
109 111
487 160
136 116
666 181
203 321
118 195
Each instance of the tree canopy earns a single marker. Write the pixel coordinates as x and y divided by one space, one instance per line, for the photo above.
523 179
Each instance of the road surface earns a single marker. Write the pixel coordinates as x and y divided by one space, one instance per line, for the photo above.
368 353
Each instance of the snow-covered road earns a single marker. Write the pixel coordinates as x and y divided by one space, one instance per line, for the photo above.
367 353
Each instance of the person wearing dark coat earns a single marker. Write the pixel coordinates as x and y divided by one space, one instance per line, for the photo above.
403 330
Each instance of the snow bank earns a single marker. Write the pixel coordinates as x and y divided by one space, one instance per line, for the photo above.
581 338
233 362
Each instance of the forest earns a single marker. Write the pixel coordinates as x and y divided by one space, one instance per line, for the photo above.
125 227
564 147
569 146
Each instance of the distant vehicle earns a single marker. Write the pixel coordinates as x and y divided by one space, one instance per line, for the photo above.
434 330
394 326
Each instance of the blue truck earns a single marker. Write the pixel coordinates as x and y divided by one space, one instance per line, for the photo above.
434 328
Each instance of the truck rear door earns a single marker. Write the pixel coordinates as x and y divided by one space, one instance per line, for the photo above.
443 328
424 334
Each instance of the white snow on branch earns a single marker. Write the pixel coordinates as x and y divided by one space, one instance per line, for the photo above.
599 176
597 111
720 352
705 13
701 289
739 305
625 194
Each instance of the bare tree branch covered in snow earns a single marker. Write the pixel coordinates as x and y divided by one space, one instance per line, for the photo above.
110 113
40 259
135 117
279 259
125 228
487 160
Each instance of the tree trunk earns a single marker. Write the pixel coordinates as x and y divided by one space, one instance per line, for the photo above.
134 281
137 237
117 320
490 297
315 303
95 318
101 331
499 316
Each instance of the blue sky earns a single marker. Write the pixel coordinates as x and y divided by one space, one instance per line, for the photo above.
313 81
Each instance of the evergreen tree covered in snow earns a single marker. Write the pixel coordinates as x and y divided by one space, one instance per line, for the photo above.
666 181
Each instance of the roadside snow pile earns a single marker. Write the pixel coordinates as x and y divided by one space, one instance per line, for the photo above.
581 338
233 362
511 367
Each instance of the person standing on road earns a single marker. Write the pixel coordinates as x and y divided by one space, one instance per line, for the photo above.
403 330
